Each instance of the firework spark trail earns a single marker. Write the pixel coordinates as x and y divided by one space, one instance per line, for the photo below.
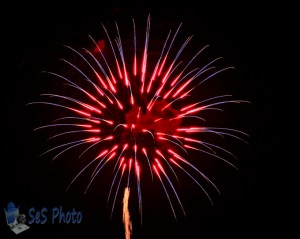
126 214
133 112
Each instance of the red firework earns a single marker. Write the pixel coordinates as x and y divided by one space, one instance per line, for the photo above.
133 112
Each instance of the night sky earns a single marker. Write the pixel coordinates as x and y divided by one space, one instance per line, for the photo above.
31 37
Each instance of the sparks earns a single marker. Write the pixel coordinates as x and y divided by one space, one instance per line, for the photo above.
133 112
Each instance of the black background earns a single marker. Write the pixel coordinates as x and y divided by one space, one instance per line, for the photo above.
240 33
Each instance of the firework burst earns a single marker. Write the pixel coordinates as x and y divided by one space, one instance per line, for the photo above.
137 112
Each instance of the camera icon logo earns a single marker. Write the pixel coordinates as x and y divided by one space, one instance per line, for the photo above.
14 219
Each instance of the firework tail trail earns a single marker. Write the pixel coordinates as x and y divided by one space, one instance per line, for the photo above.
126 215
146 98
